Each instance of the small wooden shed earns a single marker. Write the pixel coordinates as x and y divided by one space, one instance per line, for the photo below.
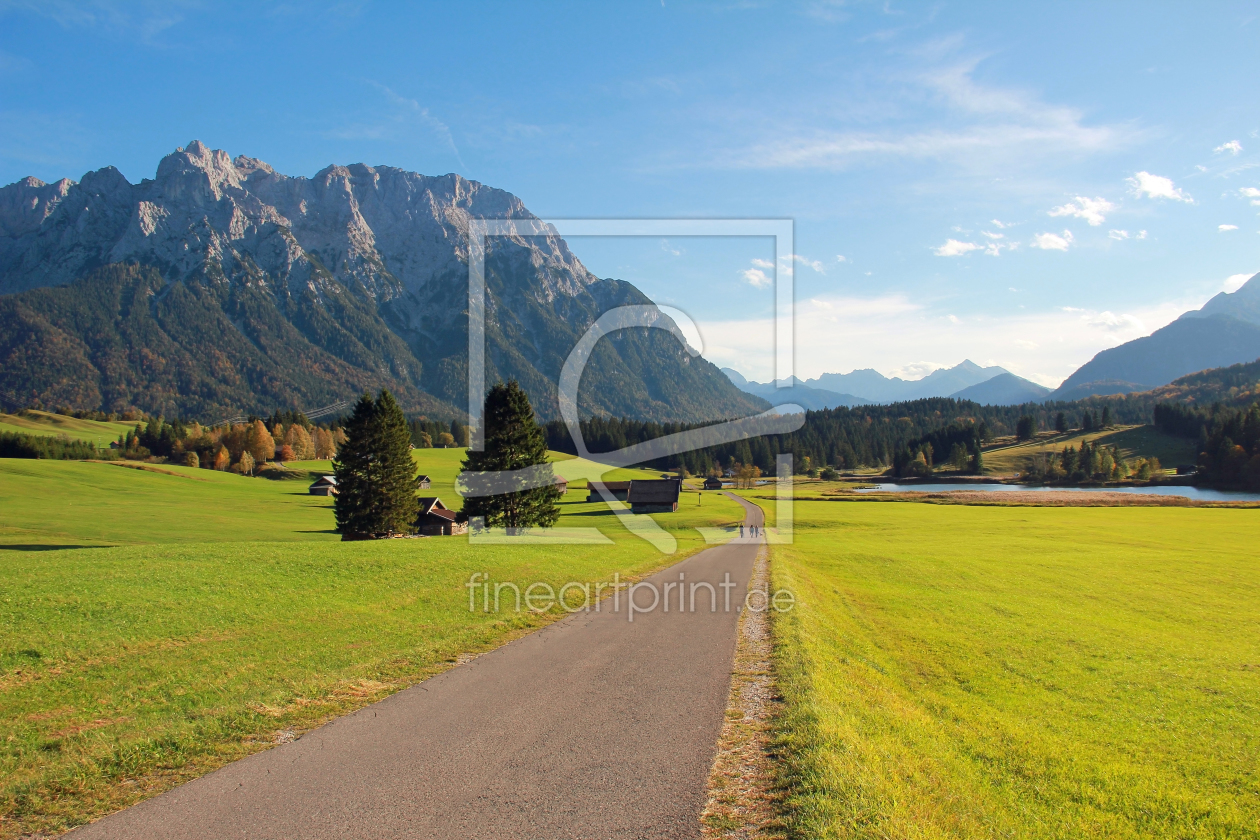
562 484
423 482
325 485
436 519
654 495
712 483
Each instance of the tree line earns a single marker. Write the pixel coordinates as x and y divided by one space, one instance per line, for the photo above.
863 436
1228 440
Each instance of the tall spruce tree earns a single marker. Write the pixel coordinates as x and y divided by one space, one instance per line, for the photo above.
376 491
513 441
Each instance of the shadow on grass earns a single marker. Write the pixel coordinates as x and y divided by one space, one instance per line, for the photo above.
47 546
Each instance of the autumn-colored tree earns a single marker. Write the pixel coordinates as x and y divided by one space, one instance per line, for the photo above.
191 460
222 458
299 441
285 453
445 440
246 464
260 443
324 446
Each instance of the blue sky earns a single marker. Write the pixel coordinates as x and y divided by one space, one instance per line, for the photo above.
1019 186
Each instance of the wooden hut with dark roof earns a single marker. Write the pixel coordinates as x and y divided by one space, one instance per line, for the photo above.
654 495
436 519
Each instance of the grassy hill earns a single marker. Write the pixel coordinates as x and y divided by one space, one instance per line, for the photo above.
1007 457
157 622
33 422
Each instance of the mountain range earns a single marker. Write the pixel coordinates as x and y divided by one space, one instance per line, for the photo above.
966 380
222 287
1225 331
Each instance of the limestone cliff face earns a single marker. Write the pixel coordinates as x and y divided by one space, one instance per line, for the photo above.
367 265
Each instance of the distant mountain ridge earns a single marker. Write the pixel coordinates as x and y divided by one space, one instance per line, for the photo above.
798 393
1225 331
966 380
222 286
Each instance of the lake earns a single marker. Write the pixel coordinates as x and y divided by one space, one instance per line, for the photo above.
1203 494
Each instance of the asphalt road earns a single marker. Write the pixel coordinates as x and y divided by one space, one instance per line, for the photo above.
594 727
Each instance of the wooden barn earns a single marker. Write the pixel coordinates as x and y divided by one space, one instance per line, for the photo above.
423 482
325 485
712 483
654 495
436 519
617 489
562 484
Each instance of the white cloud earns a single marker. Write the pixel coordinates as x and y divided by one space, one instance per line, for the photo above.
814 264
1234 282
670 249
954 248
1223 228
762 264
1156 186
839 334
1118 234
841 258
1000 225
1252 193
992 235
756 277
1141 234
953 319
1233 147
915 370
1089 209
1112 322
1052 241
981 125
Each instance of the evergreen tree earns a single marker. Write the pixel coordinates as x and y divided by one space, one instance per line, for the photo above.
1026 428
1060 422
1106 418
375 473
513 441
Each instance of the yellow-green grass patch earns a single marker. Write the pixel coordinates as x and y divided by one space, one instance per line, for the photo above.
33 422
1020 672
1131 441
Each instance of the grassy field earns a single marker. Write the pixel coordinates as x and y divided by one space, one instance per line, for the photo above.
1020 672
227 616
33 422
1132 442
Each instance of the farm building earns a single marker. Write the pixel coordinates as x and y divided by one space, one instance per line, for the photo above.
562 484
654 495
423 482
325 485
436 519
712 483
617 489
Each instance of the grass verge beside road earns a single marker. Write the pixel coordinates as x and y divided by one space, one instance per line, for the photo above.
1025 672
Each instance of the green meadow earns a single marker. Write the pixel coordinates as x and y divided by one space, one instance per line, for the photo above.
1130 441
956 671
32 422
157 622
